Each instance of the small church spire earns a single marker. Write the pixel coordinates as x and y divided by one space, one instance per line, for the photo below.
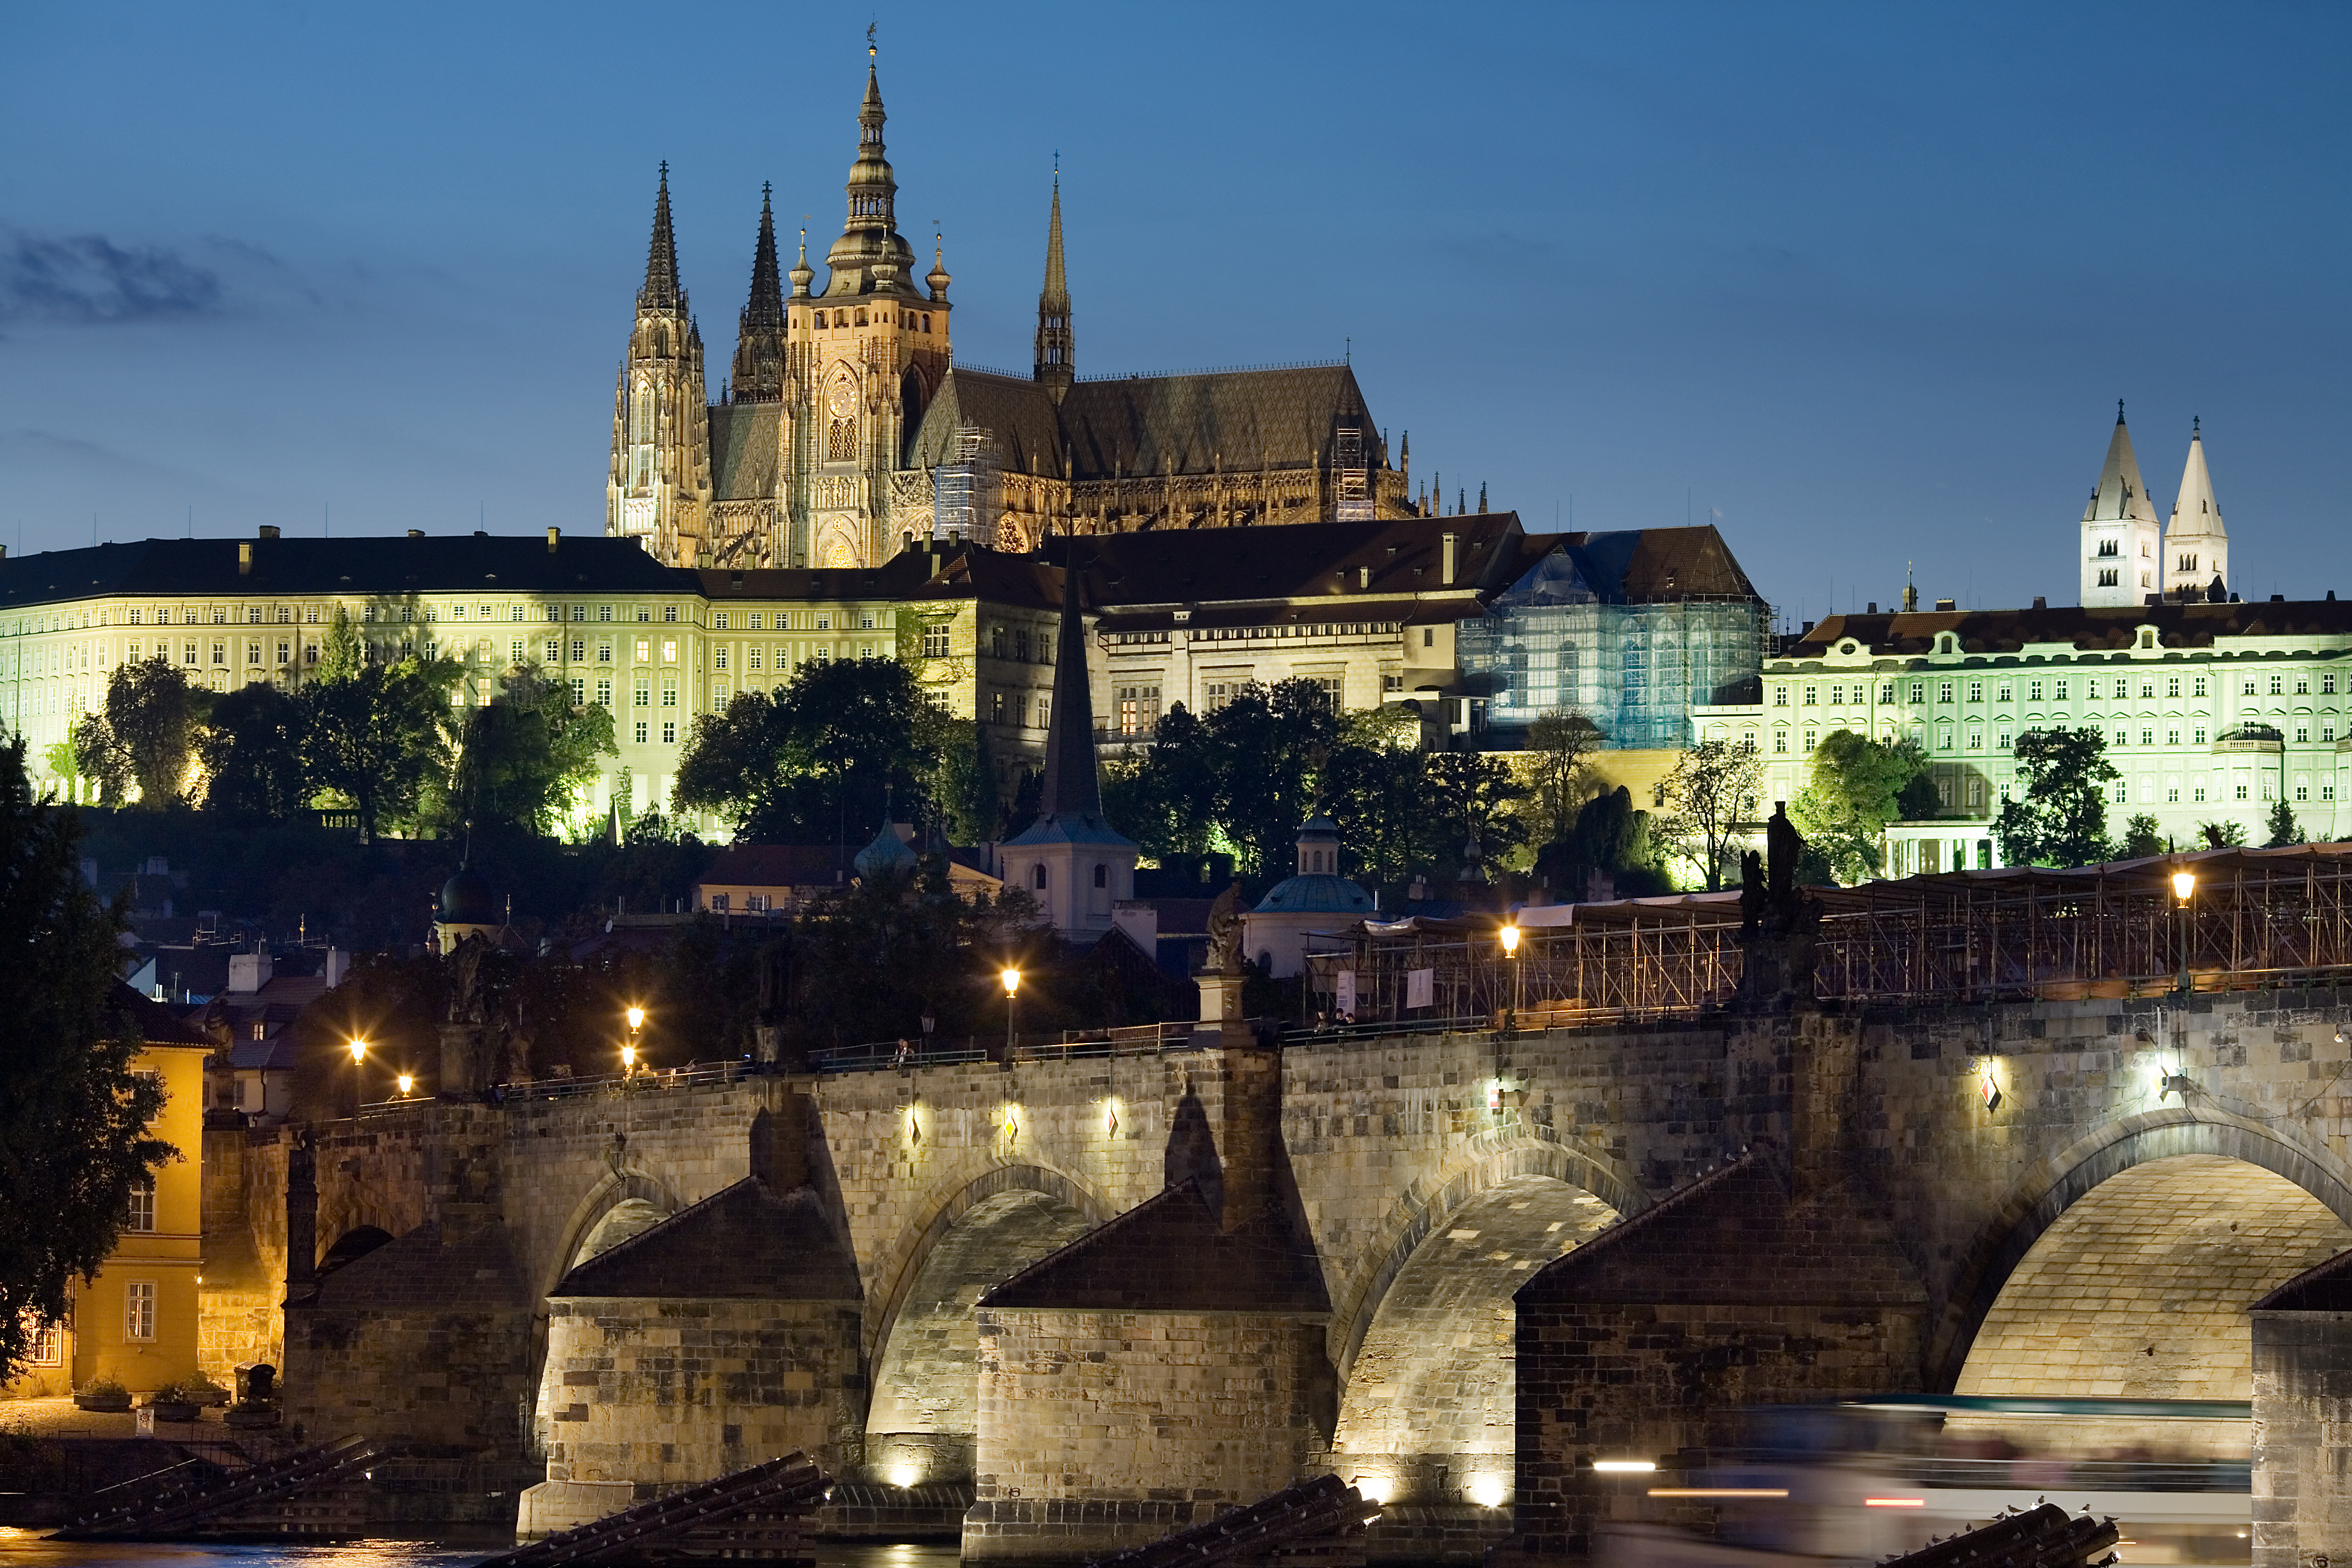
1072 789
1057 361
661 291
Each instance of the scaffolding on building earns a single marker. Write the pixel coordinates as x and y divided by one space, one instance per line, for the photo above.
1352 497
2253 919
966 495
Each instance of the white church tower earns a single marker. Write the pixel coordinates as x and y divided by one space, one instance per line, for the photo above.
2196 545
2122 546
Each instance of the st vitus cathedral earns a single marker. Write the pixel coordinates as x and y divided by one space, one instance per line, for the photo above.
845 432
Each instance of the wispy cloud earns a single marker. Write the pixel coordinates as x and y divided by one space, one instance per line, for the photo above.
89 280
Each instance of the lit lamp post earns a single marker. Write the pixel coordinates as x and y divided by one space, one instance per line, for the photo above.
358 1049
629 1049
407 1082
1511 951
1012 978
2184 883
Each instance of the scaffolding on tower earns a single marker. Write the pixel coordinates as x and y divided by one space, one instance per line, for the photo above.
1353 500
964 494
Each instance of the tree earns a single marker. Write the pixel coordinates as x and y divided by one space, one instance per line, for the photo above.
379 736
2222 834
525 757
811 762
2142 838
1610 837
1715 787
152 716
1377 798
344 653
1269 744
2060 816
252 752
73 1114
100 758
2283 829
1853 789
1473 794
1559 743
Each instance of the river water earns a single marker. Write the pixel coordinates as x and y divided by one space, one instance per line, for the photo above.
26 1549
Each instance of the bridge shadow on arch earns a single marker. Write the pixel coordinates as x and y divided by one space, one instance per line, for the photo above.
1429 1410
922 1419
2128 1274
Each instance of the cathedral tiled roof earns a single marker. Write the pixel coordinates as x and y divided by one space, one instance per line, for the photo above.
1149 426
743 454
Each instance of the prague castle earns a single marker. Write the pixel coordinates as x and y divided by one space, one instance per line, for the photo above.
844 432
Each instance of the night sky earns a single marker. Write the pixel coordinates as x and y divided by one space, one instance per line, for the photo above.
1861 284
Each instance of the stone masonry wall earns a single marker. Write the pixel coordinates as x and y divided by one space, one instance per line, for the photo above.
239 1316
1105 1430
664 1393
2302 1437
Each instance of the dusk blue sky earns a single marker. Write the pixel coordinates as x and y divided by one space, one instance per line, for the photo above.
1861 284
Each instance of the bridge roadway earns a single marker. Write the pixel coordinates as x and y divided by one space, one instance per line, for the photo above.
2075 1197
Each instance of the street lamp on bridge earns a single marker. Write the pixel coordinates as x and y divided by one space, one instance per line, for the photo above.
1510 934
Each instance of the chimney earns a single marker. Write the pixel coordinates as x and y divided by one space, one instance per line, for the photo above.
1445 566
268 531
1874 606
245 557
415 533
552 536
1946 605
2041 602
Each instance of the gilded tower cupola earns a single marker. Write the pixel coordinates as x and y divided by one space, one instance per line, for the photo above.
871 232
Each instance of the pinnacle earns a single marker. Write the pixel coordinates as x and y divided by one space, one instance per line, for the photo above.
661 291
767 302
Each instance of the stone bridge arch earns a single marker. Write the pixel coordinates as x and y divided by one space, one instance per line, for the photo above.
629 1187
922 1341
1422 1342
2155 1188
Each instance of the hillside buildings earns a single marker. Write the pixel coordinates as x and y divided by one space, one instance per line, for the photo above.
1369 611
2214 709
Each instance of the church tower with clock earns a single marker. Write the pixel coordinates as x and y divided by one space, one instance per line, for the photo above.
794 464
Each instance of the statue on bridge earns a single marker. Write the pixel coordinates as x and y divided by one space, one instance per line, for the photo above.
1777 920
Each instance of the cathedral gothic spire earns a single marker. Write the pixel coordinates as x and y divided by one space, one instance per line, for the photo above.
661 291
759 334
1057 362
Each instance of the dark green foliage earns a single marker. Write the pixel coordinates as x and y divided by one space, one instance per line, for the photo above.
867 964
98 757
379 737
1473 794
2283 829
1609 835
1377 796
252 752
73 1116
1918 801
1854 787
1716 788
2222 834
523 757
814 763
1241 778
1560 744
152 717
2141 839
2060 816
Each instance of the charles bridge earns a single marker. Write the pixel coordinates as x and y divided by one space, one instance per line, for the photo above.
1088 1296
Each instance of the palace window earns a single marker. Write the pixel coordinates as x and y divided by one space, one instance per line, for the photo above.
1918 692
2303 734
2148 737
1781 743
579 692
824 621
2004 741
2327 734
140 1214
2198 793
1837 696
1021 644
641 731
2091 688
645 650
1976 739
1943 737
2001 693
2198 735
1780 696
2172 686
2326 681
719 621
1943 691
2249 687
718 658
2303 685
670 694
1975 690
935 642
139 1309
2173 737
643 697
604 693
669 732
2277 686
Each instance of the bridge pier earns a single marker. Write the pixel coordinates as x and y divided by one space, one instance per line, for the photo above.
2303 1417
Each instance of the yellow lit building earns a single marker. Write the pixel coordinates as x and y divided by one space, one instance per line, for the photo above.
135 1322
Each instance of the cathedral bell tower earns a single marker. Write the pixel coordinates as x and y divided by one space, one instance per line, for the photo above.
658 485
2122 559
2196 545
1057 355
868 354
